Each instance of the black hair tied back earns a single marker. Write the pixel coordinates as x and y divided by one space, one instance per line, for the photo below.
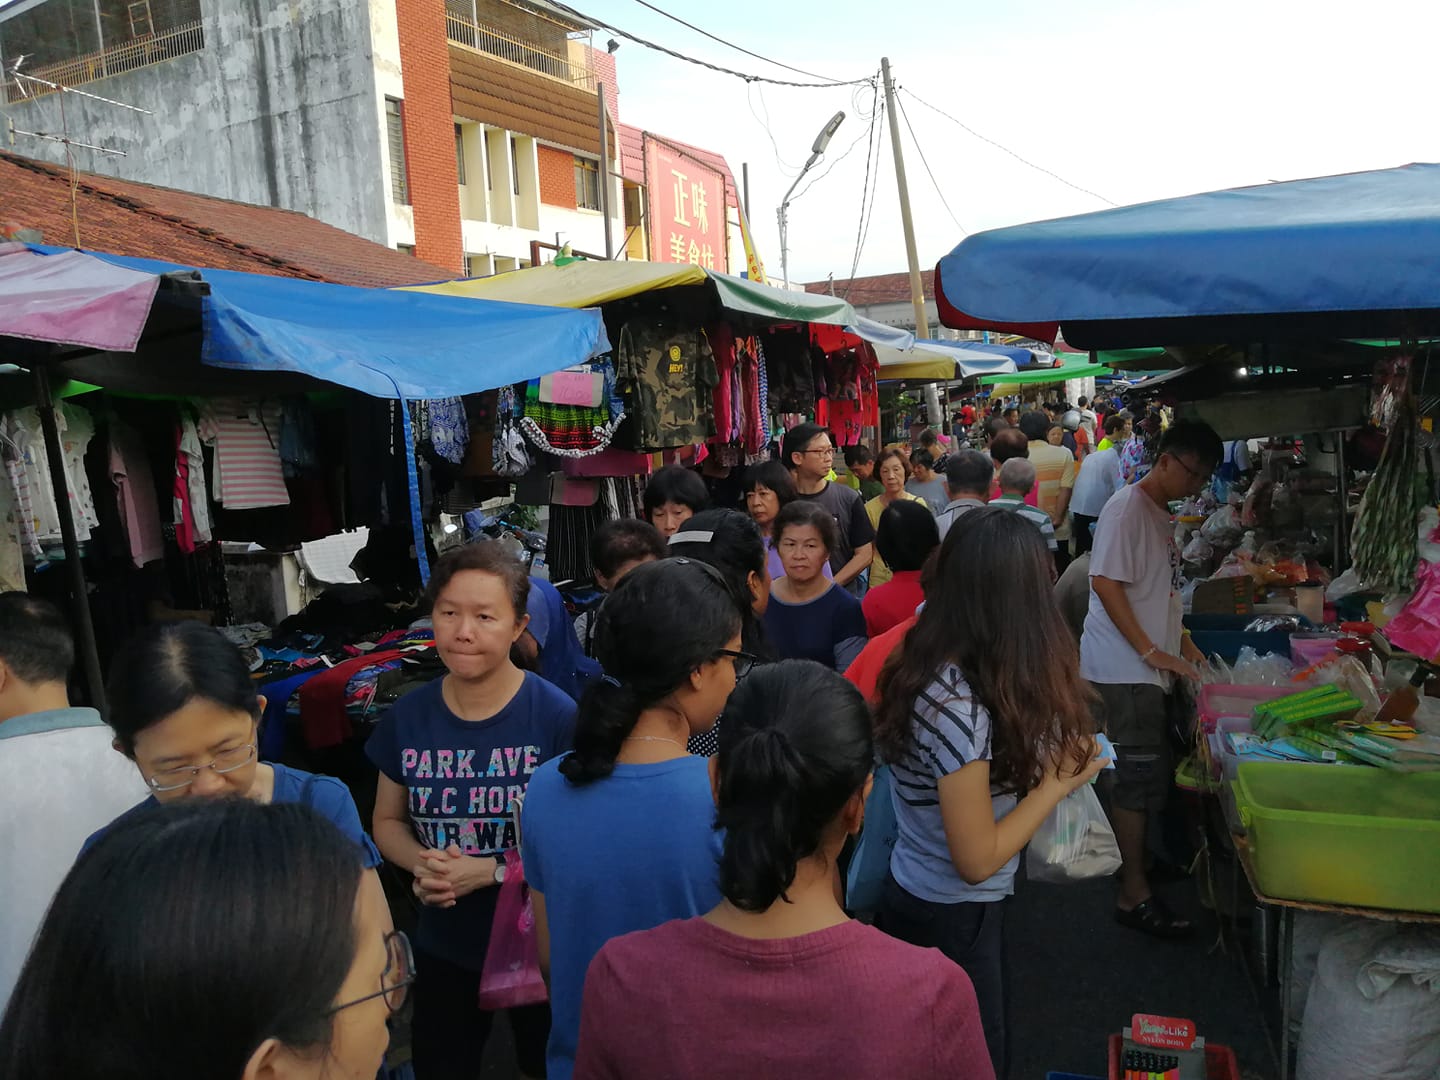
664 620
795 747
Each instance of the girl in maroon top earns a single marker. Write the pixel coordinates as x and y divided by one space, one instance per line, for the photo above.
811 992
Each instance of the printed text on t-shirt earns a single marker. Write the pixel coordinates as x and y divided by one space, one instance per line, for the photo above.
476 813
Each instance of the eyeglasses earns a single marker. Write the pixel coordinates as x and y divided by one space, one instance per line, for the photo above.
829 451
227 761
1196 473
744 661
399 971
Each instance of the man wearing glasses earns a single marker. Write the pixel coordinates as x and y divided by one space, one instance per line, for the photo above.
60 779
809 452
1134 647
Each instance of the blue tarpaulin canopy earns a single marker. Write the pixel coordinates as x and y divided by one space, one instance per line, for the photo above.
381 342
1320 258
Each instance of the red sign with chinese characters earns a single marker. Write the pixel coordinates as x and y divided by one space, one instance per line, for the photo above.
687 208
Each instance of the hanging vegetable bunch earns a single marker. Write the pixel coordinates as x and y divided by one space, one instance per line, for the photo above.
1385 543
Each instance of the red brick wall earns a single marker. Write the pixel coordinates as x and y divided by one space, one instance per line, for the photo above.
430 132
557 177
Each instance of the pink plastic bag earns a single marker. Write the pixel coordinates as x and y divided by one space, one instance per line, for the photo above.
1417 627
511 976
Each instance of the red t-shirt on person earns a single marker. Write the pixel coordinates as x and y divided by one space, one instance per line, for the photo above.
864 671
892 603
841 1003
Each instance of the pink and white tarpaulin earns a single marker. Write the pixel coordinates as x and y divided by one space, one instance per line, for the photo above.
72 298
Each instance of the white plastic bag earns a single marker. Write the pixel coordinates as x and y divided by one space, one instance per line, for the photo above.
1374 1005
1075 843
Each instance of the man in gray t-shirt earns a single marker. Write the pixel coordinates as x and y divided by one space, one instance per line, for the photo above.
809 452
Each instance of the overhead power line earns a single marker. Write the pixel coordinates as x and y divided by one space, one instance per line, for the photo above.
929 172
1001 146
732 45
867 191
747 76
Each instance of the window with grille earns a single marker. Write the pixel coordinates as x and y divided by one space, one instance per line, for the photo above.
587 184
460 153
395 133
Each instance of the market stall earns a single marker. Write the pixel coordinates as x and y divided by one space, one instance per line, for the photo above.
1311 558
235 407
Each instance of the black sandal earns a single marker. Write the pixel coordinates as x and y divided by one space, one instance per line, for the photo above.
1154 918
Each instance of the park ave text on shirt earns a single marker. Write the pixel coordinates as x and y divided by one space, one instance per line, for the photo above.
464 809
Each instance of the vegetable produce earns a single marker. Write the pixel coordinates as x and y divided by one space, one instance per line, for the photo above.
1385 543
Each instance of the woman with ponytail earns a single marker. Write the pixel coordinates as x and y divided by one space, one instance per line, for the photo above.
812 992
618 835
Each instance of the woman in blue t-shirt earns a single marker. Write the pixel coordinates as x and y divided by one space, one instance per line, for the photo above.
809 617
454 756
986 726
185 710
619 834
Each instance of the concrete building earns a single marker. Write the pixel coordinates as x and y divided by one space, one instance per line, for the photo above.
463 131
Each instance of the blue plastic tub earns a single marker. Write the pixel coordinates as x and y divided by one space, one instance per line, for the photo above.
1225 635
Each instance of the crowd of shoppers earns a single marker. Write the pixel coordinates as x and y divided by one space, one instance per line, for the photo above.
679 831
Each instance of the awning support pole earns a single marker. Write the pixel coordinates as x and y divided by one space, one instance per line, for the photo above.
79 591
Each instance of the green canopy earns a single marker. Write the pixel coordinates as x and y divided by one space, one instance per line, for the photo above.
1072 367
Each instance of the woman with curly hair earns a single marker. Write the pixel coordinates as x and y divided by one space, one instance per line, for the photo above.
986 725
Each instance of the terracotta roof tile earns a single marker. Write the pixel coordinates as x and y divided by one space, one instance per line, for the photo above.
632 159
124 217
880 289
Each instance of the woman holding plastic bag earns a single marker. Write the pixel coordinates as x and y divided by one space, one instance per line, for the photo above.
454 756
986 726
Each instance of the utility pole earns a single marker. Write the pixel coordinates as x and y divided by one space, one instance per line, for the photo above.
745 183
917 290
605 169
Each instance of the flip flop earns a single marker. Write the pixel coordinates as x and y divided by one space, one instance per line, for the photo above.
1154 918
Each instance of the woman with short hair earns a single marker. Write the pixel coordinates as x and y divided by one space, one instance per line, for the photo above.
809 617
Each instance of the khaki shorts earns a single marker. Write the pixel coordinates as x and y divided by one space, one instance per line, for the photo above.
1136 718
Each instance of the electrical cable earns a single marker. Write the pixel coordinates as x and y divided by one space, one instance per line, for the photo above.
747 76
732 45
1012 153
929 172
877 118
786 169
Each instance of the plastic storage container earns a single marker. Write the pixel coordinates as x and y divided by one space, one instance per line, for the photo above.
1310 647
1220 1063
1225 635
1363 837
1219 700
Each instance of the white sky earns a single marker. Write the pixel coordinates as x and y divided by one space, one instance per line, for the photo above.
1133 99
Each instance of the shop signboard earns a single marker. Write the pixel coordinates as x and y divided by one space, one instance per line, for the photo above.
687 208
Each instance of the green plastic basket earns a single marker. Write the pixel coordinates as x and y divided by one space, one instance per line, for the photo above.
1352 836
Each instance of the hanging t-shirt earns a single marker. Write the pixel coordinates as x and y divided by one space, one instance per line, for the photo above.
197 498
462 777
12 555
135 494
624 853
19 479
666 376
76 428
248 470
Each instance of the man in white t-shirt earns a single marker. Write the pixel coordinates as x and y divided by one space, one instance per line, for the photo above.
1097 480
1134 646
60 777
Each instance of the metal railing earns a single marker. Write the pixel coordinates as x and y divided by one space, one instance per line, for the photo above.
142 52
483 39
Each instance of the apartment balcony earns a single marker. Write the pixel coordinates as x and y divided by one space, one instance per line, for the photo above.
147 51
467 33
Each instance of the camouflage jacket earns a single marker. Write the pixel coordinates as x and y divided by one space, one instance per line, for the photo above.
667 377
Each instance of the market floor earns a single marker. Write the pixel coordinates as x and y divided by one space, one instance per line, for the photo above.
1078 976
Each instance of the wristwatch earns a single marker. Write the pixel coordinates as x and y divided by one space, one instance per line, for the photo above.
499 870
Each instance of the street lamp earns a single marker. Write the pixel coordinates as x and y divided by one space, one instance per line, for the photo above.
817 150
